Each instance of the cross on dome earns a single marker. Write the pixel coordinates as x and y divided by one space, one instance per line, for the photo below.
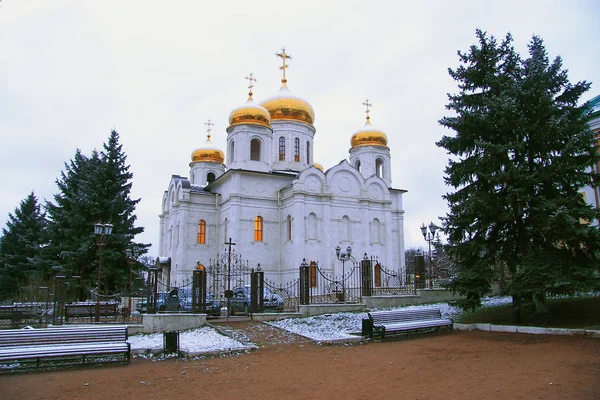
367 104
284 56
209 124
252 79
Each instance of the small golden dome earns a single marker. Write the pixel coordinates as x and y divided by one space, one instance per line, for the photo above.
250 113
318 166
368 136
208 153
285 106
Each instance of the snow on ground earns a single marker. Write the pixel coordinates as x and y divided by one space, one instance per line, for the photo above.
346 325
320 328
192 341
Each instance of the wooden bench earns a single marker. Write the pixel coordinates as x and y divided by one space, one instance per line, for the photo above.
394 322
50 347
88 310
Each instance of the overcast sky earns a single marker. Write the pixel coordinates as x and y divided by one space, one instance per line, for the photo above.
70 71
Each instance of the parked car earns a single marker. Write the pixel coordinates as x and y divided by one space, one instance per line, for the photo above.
164 301
240 302
213 306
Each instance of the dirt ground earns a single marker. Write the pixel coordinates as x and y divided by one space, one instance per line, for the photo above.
458 365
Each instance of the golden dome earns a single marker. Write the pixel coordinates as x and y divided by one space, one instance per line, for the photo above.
285 106
250 113
368 136
318 166
208 153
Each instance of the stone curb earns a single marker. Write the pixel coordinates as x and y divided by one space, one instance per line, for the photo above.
534 330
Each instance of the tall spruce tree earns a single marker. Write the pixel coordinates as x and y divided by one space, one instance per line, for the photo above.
21 247
115 206
71 218
95 189
520 154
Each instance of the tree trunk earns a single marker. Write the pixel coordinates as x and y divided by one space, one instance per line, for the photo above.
516 310
541 307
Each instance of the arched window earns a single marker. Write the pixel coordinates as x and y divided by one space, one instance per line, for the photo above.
258 229
313 274
255 149
375 231
281 148
210 177
226 228
201 232
311 226
379 168
289 228
345 229
231 152
357 165
296 149
308 153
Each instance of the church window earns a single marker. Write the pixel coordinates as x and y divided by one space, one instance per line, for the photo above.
201 232
210 177
171 237
177 235
225 228
289 228
231 151
296 149
258 229
375 231
345 229
313 274
379 168
282 149
312 226
255 149
308 152
192 177
357 165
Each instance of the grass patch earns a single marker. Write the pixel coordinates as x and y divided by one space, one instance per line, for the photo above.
577 313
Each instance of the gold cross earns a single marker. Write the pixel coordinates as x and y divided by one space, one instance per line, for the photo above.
284 56
367 104
252 79
209 124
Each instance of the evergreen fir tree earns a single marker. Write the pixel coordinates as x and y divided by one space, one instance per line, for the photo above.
520 155
21 247
71 218
95 189
116 206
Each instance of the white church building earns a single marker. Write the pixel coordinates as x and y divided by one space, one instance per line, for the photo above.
275 203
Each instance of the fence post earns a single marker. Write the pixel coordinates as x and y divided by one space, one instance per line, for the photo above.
366 274
59 300
257 288
304 283
199 291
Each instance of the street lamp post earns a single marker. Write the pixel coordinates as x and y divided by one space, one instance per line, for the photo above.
343 257
102 231
131 254
429 236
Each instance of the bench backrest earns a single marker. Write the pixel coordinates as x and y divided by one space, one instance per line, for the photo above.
109 309
382 317
49 336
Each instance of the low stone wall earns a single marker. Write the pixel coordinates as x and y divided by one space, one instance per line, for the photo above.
318 309
534 330
423 296
152 323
